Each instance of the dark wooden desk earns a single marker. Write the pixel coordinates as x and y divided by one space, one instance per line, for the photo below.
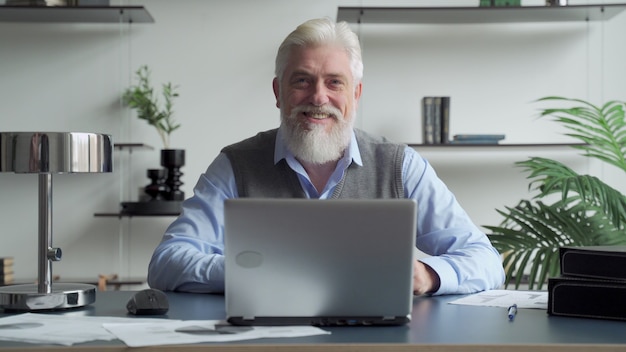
435 326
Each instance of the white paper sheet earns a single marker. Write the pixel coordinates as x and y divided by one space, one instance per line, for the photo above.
69 329
506 298
57 329
196 331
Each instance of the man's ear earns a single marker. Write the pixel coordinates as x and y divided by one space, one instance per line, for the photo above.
357 94
357 91
276 88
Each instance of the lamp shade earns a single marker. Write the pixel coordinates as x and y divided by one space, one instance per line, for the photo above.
55 152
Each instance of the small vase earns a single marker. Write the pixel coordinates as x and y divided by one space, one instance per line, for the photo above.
172 160
157 189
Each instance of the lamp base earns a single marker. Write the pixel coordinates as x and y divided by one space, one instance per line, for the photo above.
62 296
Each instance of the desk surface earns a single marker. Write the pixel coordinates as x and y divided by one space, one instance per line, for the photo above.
435 326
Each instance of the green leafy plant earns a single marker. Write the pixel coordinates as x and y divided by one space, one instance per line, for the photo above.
143 99
568 209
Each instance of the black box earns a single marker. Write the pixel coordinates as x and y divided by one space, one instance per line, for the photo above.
587 298
597 262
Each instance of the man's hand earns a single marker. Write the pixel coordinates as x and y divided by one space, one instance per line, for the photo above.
425 279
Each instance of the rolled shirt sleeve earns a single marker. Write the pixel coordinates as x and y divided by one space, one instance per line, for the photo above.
459 252
190 256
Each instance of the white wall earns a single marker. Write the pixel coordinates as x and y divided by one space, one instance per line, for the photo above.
69 77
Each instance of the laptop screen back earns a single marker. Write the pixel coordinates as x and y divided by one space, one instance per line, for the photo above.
319 262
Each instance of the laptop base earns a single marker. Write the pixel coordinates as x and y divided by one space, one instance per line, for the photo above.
320 321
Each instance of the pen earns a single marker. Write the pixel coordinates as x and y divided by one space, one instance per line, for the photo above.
512 311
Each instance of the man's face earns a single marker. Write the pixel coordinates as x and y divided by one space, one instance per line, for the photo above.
318 100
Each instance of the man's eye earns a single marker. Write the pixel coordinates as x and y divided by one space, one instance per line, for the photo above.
336 83
300 82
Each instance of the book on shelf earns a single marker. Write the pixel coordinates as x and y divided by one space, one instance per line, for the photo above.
6 279
445 120
6 261
6 270
490 3
6 264
477 138
471 137
592 283
435 119
7 274
428 120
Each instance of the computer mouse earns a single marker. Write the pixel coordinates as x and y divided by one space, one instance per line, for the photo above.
149 301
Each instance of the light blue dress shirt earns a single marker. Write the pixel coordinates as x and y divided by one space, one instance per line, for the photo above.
190 256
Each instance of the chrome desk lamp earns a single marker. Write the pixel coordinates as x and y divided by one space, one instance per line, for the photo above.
45 153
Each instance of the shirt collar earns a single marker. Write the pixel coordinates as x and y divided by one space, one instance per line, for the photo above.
281 152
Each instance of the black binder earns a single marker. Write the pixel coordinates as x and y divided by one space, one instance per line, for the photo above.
592 283
596 262
587 298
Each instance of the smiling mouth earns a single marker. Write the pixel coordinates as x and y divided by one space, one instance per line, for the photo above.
318 115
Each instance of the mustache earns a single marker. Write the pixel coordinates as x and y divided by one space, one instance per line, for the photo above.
324 109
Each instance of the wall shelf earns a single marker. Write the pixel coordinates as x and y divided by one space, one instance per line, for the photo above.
131 214
460 15
76 14
496 146
131 146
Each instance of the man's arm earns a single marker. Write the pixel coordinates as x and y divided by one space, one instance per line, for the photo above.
461 255
190 256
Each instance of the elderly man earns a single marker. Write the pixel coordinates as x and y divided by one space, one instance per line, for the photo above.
317 153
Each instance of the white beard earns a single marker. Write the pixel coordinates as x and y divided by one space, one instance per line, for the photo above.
310 142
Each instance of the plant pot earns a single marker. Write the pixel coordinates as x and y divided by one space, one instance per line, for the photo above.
172 160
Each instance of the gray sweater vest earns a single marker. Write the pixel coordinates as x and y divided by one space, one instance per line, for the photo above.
256 175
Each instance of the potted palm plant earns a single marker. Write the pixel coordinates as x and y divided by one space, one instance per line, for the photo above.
142 98
569 209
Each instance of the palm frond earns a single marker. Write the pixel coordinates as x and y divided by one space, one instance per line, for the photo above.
549 177
532 233
602 129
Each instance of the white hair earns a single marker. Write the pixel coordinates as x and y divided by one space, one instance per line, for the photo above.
322 31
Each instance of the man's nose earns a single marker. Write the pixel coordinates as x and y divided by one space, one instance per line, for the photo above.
319 95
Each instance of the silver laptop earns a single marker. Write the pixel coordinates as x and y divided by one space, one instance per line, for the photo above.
319 262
